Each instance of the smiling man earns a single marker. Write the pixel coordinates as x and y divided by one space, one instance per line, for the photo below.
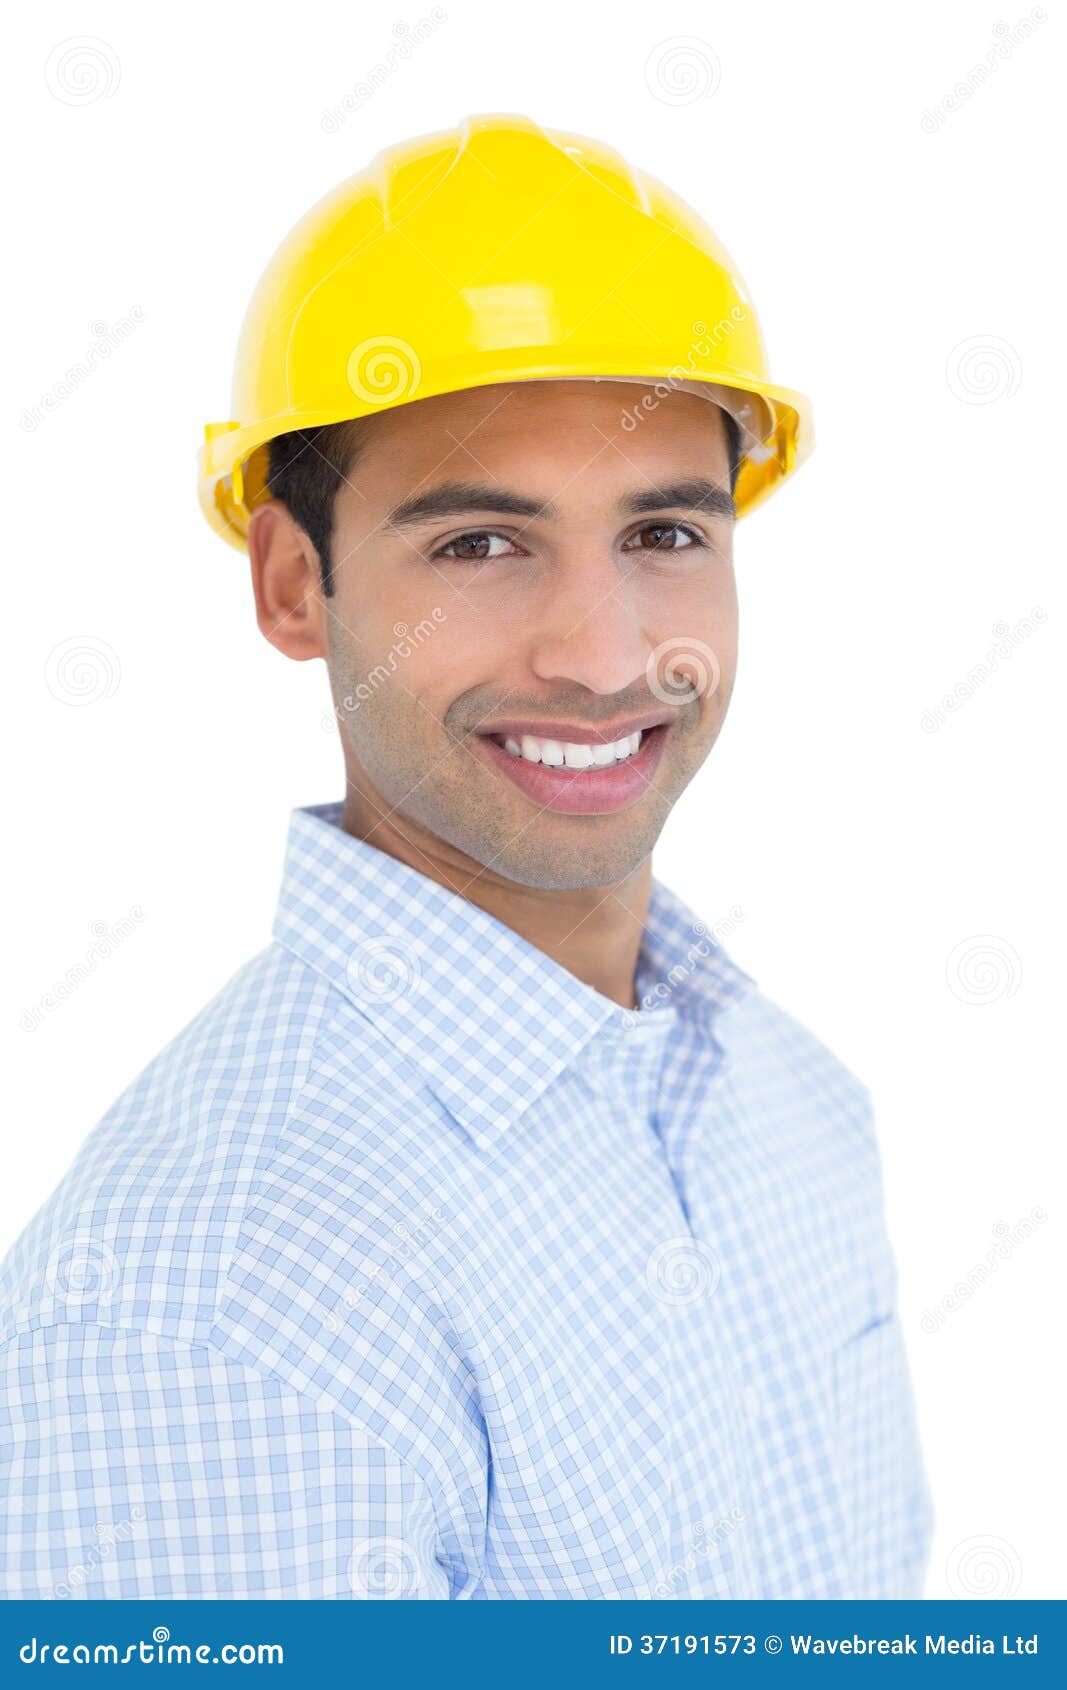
489 1235
535 738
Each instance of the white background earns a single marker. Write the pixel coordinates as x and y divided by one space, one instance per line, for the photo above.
898 882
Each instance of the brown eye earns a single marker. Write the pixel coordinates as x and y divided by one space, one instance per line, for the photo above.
473 547
662 537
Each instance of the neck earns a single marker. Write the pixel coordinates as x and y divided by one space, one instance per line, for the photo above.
593 932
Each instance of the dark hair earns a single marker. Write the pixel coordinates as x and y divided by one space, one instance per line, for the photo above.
308 466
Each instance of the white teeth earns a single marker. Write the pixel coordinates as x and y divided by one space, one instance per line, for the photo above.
576 756
556 754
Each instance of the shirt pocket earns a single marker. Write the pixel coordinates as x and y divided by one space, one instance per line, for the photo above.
882 1482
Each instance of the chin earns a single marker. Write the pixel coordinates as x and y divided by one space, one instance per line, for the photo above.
583 863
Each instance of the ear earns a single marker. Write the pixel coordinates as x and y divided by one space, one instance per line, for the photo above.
286 583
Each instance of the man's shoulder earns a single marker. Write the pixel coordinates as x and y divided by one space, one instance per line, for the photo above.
147 1216
806 1137
265 1194
779 1058
771 1053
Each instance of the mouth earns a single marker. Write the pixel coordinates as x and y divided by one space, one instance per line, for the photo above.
588 775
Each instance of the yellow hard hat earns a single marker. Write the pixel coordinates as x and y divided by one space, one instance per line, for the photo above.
497 251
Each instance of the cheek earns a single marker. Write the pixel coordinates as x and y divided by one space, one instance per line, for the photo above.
691 627
703 597
456 629
469 644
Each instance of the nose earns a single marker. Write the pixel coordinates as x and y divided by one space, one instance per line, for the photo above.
591 630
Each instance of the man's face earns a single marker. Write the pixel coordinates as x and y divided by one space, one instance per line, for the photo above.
532 659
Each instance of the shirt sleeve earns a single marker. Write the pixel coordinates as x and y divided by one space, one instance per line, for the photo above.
134 1465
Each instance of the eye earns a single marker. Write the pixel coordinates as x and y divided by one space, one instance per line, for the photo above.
663 537
475 547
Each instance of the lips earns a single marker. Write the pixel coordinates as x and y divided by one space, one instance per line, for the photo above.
563 729
589 783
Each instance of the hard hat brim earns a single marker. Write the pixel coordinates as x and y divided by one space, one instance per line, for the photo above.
232 460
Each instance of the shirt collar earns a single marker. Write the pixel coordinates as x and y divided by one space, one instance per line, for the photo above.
489 1019
681 963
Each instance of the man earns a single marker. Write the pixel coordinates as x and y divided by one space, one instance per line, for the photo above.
490 1235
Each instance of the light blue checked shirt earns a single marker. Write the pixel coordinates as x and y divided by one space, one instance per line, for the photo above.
414 1267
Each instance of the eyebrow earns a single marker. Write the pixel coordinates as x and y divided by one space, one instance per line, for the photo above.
457 498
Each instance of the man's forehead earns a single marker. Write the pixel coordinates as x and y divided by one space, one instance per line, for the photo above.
515 404
565 435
